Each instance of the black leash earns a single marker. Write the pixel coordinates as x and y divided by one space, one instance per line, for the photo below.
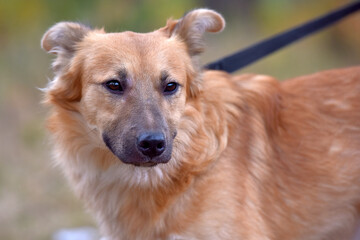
257 51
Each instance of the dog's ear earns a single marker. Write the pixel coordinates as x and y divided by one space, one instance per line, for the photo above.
190 29
62 39
193 25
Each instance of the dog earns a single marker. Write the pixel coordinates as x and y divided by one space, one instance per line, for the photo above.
159 148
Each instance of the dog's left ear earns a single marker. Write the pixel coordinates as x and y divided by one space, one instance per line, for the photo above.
192 27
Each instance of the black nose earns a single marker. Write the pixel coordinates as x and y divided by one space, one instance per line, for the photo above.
151 144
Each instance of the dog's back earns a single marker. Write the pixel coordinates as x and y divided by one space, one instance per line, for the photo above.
299 142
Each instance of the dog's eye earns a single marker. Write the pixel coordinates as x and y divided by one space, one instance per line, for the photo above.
171 88
114 85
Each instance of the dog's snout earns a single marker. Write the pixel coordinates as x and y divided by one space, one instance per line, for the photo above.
151 144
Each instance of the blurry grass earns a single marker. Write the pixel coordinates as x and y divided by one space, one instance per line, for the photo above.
35 199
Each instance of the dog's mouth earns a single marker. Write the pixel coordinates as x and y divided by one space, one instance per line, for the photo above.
147 164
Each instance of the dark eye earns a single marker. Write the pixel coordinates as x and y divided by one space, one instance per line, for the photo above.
171 88
114 85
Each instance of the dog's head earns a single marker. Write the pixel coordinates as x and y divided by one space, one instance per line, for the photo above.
131 87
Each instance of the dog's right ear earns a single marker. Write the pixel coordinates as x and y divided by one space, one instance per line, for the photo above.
62 39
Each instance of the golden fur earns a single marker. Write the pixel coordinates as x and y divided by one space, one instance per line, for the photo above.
253 158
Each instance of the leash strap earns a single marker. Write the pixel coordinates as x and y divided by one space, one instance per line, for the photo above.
259 50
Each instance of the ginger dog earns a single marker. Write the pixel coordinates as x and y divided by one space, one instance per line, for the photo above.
158 148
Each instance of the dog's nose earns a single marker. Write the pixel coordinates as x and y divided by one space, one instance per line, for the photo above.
151 144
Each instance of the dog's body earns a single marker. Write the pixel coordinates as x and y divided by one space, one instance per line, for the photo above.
245 157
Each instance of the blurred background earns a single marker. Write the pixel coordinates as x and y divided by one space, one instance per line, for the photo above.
35 200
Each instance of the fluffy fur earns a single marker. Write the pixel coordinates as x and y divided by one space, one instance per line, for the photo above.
253 158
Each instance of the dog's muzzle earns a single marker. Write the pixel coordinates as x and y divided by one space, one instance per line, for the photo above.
147 149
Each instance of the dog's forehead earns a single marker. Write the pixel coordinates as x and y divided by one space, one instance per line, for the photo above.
136 52
130 43
140 41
